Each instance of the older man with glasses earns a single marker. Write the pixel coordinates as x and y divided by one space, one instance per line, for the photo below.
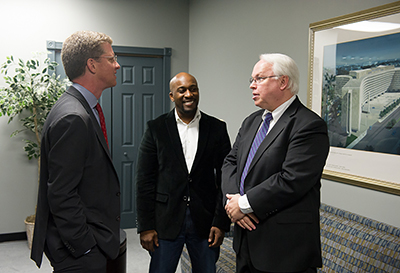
271 177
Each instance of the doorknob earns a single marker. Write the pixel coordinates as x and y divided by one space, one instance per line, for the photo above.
125 154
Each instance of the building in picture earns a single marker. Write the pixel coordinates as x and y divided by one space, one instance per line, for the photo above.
363 87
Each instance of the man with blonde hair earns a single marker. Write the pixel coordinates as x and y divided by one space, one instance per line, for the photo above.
78 209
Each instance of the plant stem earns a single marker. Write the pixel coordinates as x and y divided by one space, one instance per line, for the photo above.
38 162
35 121
37 137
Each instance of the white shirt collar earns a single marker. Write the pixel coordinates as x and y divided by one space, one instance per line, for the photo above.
197 117
278 112
189 136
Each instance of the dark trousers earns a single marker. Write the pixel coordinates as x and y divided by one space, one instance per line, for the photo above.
93 262
165 258
244 264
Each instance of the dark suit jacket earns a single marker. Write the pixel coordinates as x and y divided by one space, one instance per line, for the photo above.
78 204
283 188
164 183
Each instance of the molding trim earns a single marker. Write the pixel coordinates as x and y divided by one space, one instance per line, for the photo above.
17 236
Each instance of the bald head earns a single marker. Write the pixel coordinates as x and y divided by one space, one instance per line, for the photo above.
183 76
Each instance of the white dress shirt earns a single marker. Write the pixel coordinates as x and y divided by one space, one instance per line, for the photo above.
189 135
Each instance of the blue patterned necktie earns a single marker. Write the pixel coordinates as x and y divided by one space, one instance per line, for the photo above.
256 143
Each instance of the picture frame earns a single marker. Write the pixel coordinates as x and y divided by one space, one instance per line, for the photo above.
350 115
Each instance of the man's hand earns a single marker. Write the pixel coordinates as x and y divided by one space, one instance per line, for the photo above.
149 239
216 237
232 208
247 222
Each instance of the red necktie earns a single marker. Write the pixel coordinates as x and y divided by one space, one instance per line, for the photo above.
102 121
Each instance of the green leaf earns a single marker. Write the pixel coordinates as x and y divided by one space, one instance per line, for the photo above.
30 88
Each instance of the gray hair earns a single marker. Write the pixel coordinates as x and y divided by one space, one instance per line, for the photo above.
78 48
284 65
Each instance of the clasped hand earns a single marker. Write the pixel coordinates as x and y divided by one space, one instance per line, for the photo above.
245 221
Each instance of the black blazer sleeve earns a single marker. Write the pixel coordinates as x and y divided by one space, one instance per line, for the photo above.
146 180
66 167
223 147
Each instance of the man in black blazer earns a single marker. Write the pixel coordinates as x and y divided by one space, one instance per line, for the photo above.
179 198
78 209
277 211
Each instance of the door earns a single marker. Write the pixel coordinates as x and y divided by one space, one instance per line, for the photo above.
137 98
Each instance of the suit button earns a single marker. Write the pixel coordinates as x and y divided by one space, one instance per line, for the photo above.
186 199
118 194
118 218
190 179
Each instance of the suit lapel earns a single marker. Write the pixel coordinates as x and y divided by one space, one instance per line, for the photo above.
170 123
248 139
204 130
275 131
75 93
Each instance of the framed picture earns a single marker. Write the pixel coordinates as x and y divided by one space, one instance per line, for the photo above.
354 85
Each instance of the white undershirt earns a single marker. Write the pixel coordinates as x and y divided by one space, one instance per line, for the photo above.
189 135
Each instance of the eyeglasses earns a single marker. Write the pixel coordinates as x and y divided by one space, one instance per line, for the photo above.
259 79
110 58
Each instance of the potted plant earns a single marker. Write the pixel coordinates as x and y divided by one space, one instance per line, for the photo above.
31 91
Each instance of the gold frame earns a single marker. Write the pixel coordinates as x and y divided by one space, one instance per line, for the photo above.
368 14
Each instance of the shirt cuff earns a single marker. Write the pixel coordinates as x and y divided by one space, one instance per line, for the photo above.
244 205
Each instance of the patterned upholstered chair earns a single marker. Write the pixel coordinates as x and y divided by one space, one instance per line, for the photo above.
350 243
